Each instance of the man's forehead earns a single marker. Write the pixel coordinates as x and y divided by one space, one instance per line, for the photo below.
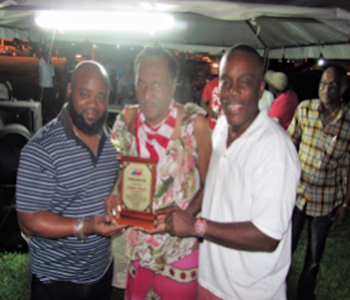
154 62
153 66
88 89
90 70
330 74
246 61
87 78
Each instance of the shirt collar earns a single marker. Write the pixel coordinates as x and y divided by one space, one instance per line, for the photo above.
252 127
67 125
320 109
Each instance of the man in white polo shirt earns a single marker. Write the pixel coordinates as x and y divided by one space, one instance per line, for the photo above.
249 193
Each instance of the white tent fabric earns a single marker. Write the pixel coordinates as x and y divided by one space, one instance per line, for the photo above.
281 30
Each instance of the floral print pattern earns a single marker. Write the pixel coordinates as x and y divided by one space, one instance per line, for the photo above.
177 182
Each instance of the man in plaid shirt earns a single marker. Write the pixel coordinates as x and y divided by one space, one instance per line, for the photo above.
320 129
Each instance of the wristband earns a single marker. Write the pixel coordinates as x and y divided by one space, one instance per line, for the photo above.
78 229
200 227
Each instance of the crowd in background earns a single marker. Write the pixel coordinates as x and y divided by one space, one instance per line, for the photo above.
303 77
262 122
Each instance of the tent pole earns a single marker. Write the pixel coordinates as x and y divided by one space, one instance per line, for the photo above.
266 49
256 33
266 59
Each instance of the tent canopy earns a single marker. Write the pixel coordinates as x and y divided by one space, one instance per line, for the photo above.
291 30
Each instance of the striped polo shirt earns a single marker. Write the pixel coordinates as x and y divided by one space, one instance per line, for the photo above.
58 173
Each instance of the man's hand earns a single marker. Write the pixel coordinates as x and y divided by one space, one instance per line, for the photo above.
160 226
103 226
340 215
111 207
211 113
178 222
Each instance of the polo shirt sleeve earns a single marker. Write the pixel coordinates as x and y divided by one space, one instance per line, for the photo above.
36 179
274 185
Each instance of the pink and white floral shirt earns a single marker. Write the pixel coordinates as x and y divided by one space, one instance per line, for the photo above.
177 182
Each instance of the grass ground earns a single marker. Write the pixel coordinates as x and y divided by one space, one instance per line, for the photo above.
333 279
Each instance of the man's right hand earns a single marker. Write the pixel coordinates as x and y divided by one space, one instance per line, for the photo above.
103 226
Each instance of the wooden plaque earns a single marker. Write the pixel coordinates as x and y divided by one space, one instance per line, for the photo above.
136 191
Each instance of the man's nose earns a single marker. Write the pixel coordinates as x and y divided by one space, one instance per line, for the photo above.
147 91
233 89
93 100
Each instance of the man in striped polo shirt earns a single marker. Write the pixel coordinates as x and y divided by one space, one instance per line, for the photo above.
66 172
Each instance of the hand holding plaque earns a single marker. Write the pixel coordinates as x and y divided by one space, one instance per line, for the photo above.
136 192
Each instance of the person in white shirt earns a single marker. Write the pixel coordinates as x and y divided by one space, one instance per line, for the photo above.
266 100
249 193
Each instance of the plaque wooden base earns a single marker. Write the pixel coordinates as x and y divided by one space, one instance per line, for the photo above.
136 222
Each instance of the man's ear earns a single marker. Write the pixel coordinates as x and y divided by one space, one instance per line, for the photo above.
173 88
262 88
69 90
343 88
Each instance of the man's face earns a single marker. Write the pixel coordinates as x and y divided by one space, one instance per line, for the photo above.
240 88
331 88
155 88
88 98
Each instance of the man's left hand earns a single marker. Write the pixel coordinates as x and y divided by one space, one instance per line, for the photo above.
340 215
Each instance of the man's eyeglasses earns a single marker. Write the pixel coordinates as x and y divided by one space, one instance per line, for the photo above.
332 85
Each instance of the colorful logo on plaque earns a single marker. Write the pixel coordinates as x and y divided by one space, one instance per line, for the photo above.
136 173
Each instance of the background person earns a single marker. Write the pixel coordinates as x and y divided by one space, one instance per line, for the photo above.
177 137
266 100
46 83
126 86
286 102
210 102
183 92
320 130
249 193
65 173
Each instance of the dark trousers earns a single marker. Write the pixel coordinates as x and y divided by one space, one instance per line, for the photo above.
63 290
317 235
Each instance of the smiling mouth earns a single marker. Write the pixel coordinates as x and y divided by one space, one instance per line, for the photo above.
91 114
233 108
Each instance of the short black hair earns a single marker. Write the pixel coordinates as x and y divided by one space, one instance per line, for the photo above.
250 50
157 51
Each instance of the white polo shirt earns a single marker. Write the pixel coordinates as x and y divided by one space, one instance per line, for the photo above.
255 179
